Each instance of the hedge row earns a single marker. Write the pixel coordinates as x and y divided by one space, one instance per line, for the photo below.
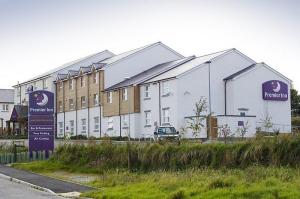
277 151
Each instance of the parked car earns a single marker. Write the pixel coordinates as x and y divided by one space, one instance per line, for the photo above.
166 132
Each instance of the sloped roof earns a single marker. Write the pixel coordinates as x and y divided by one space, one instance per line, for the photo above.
124 55
240 72
85 61
7 95
19 112
189 65
150 73
73 73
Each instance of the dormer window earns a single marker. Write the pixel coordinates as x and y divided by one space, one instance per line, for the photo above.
109 97
82 81
71 84
124 94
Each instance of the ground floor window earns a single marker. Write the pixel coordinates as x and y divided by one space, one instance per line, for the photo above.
71 122
61 128
166 115
124 121
147 118
110 123
96 124
83 126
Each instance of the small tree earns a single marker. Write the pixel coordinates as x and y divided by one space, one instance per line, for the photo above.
267 123
196 122
242 130
225 132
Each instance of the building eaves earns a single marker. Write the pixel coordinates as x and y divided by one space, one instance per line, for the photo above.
150 73
239 72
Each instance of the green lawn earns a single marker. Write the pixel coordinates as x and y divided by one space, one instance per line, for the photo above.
252 182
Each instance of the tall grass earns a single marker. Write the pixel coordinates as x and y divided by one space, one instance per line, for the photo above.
277 151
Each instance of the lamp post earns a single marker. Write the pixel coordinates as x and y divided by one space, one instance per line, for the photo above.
128 144
128 98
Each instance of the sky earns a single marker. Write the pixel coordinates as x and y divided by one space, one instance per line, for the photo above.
39 35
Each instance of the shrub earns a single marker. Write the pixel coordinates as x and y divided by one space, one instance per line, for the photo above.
279 151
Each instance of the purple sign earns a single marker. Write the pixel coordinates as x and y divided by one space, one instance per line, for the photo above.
275 90
41 121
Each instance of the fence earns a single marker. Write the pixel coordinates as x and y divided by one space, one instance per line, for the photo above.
9 158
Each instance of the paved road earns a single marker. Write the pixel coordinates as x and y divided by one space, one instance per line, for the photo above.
58 186
13 190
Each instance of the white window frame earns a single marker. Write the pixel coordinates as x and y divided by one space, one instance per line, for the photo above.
60 128
83 126
165 85
82 81
83 101
110 123
124 122
60 106
71 84
124 94
147 91
166 116
109 97
95 77
60 85
71 105
71 123
5 108
147 118
96 124
96 99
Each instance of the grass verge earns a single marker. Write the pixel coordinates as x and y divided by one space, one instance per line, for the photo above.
252 182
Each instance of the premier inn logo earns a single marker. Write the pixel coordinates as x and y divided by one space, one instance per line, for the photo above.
275 90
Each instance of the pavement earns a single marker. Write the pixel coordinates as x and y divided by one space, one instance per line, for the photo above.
13 190
54 185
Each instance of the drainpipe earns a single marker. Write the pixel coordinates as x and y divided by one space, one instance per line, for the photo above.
120 112
225 94
100 101
76 106
159 102
88 105
63 103
209 96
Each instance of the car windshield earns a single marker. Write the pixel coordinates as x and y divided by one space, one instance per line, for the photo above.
166 130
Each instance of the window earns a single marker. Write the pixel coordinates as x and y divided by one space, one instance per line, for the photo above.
71 104
147 91
60 85
45 83
147 118
83 126
83 102
61 128
5 107
166 116
96 99
124 121
243 114
165 88
60 106
71 84
124 94
82 81
95 77
110 123
109 97
96 124
71 122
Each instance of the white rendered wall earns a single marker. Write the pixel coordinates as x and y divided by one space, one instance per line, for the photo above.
5 115
138 63
232 122
246 92
219 69
94 112
68 117
82 114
